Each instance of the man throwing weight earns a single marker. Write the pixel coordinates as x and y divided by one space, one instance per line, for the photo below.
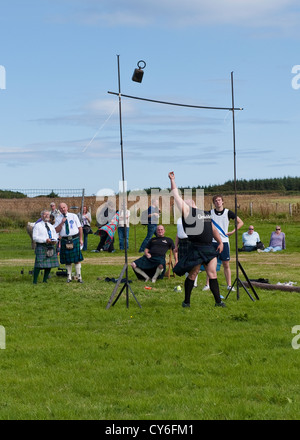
200 230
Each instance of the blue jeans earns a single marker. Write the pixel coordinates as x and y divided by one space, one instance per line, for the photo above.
150 232
121 234
250 248
273 249
85 240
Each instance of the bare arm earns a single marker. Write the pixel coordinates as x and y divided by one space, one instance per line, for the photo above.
239 224
183 207
147 253
217 237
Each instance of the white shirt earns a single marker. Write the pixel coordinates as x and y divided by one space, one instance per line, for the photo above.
121 218
74 224
180 231
250 239
40 233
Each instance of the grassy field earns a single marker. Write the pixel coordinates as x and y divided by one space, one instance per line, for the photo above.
67 357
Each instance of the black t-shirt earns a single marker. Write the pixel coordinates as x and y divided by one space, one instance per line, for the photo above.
198 226
158 246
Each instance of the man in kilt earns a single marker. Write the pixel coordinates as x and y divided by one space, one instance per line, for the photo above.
69 228
200 230
182 243
45 238
153 264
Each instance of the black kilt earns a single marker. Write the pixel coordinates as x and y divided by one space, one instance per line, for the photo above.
183 247
41 259
149 265
69 256
197 254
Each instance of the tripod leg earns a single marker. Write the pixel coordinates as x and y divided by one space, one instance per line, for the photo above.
134 296
231 288
119 295
116 287
246 290
248 281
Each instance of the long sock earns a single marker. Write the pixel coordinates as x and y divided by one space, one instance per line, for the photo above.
157 273
78 270
188 287
46 275
69 271
141 272
214 287
36 272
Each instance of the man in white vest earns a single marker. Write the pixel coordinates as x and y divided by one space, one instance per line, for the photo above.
221 218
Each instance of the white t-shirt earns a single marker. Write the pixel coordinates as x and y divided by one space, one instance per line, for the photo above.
250 239
180 231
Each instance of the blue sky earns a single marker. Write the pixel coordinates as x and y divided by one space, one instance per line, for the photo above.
59 128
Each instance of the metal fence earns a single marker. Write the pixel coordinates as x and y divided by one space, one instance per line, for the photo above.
46 192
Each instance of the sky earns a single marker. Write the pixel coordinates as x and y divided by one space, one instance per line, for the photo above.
60 128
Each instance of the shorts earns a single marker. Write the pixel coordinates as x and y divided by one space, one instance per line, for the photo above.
225 254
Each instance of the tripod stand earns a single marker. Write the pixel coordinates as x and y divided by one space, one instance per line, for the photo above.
237 281
124 208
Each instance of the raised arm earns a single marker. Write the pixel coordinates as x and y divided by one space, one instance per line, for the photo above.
182 206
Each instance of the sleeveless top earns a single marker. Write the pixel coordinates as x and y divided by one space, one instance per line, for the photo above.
221 222
198 226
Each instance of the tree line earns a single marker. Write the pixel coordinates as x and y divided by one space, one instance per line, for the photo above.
253 186
281 185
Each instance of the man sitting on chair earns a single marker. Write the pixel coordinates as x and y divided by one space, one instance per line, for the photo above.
152 264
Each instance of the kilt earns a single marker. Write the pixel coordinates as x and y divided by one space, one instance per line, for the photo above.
183 247
69 256
197 254
149 265
41 260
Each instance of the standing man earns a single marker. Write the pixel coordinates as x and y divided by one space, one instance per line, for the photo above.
200 230
152 222
121 229
44 235
221 217
69 228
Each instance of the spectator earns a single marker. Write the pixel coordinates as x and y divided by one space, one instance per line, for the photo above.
68 226
121 230
107 233
45 237
250 240
86 220
152 219
277 241
152 263
221 219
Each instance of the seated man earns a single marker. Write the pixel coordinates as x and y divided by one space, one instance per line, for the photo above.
250 240
152 264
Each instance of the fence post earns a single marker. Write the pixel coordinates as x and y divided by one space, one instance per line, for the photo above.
291 209
251 209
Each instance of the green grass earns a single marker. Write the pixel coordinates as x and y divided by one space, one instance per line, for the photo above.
67 357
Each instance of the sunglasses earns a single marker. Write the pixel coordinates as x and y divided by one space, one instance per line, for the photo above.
278 229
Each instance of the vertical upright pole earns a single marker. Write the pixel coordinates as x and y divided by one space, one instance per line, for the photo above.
124 207
235 188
